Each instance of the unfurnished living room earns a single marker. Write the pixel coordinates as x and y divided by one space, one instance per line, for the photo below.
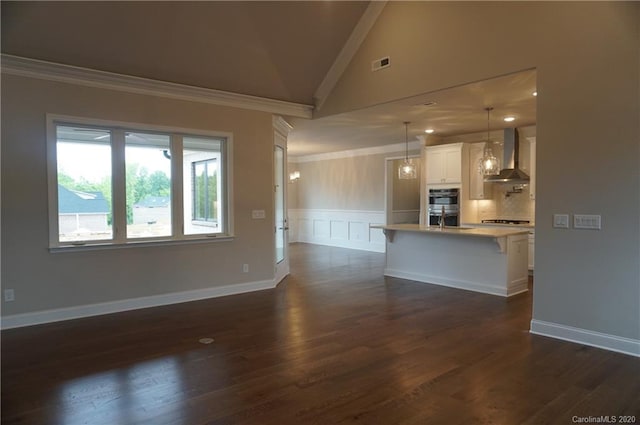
320 212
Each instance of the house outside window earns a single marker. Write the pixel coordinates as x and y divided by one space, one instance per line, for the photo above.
114 184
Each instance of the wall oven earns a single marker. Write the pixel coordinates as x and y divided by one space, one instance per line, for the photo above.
447 201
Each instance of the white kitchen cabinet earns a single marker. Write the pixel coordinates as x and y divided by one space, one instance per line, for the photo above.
478 189
532 238
532 167
444 164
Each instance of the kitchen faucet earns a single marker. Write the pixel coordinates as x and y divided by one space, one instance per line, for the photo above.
441 222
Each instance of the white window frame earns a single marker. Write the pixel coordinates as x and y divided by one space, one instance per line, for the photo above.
118 130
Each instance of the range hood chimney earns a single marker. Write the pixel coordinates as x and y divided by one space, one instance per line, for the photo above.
511 173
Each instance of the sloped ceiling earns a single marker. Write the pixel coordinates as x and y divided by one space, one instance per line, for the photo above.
276 50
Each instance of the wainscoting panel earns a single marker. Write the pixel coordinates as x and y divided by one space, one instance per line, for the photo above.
342 228
339 230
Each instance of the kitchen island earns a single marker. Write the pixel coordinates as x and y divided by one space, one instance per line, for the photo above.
489 260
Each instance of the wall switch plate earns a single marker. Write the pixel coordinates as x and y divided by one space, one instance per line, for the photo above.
9 295
586 221
258 214
561 221
245 268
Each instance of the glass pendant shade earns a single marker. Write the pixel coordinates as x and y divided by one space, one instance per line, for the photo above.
407 169
489 164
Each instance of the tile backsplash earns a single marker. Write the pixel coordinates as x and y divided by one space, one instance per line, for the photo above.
504 205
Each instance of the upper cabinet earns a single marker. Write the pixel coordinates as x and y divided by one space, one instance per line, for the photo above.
478 189
444 164
528 162
532 167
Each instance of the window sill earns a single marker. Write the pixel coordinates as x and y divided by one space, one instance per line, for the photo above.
141 244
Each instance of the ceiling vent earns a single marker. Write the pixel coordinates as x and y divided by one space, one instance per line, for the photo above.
381 63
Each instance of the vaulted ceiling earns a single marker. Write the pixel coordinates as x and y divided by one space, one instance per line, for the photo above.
276 50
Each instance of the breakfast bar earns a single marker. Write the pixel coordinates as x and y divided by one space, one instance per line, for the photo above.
488 260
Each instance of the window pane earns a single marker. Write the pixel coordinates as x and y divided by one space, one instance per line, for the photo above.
84 184
148 185
202 186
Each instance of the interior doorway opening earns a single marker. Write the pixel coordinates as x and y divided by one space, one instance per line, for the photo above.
402 197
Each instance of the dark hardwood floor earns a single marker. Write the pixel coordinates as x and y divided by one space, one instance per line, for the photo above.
334 343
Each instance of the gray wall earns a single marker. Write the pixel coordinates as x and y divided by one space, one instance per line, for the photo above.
353 183
588 66
406 193
44 280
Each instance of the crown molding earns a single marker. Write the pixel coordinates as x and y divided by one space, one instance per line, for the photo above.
33 68
360 31
376 150
281 125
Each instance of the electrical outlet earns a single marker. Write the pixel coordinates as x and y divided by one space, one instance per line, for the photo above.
586 221
561 221
245 268
258 214
9 295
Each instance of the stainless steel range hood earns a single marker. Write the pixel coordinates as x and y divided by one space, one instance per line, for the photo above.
511 173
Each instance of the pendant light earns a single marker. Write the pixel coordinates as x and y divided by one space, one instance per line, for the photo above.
489 164
407 170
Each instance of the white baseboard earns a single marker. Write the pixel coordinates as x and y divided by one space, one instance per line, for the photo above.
77 312
459 284
583 336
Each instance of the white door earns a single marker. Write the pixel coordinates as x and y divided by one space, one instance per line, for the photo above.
281 222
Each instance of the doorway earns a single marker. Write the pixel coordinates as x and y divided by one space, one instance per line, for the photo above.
281 224
402 197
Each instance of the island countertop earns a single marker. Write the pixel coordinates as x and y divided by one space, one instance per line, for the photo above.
487 232
490 260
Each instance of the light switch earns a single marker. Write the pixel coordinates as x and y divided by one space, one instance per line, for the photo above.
257 214
586 221
561 221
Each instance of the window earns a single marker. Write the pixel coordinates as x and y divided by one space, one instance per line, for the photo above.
202 186
117 184
203 176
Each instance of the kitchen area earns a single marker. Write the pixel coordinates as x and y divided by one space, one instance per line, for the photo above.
477 220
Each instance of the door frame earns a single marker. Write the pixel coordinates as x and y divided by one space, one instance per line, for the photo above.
281 130
389 171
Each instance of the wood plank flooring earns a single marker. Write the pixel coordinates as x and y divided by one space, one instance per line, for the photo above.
335 343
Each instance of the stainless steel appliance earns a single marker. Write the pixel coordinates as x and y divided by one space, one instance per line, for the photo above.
447 202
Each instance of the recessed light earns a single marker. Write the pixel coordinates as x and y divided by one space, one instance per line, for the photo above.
535 93
509 119
429 130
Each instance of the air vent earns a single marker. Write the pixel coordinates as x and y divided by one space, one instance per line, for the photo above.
379 64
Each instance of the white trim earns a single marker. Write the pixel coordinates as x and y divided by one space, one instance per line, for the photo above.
342 228
281 125
375 150
118 129
33 68
520 287
88 310
586 337
358 35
